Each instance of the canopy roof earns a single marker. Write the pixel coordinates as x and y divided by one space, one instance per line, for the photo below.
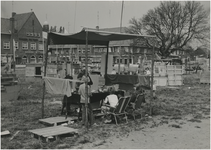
95 37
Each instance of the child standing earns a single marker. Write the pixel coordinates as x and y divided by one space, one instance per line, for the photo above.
154 88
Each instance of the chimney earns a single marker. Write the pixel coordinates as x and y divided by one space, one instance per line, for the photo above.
97 27
13 14
12 21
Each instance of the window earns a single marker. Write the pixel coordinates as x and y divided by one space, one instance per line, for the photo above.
32 59
41 47
16 45
24 45
6 45
24 60
33 46
40 59
125 61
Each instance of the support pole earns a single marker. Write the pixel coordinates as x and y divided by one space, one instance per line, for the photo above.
12 41
152 76
106 64
120 57
71 57
45 67
86 86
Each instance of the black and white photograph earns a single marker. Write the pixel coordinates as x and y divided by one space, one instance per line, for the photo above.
105 74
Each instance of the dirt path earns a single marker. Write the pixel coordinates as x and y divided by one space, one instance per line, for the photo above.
190 135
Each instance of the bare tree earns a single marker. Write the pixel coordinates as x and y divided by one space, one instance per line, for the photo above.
174 25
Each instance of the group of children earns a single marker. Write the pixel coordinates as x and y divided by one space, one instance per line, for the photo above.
110 102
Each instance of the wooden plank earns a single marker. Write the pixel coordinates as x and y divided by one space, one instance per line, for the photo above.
60 132
53 131
99 114
49 129
40 131
5 133
56 133
56 120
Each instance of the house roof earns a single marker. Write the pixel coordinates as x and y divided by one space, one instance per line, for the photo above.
5 26
21 19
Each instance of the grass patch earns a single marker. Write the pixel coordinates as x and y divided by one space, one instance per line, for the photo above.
23 115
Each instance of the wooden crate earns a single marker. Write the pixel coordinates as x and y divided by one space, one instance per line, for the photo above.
57 120
160 80
52 132
174 82
205 78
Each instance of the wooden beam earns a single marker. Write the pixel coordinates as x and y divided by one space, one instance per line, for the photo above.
45 67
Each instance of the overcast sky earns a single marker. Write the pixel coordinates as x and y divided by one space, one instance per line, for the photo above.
105 14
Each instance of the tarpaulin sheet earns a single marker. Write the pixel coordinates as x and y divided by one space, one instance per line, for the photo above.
58 85
93 37
118 79
144 81
127 80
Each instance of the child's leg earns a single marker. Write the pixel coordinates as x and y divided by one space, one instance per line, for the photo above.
154 95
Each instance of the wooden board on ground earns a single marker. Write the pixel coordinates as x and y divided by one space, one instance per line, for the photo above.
57 120
5 133
205 77
99 114
52 132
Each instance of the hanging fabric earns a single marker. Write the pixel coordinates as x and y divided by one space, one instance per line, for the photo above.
59 86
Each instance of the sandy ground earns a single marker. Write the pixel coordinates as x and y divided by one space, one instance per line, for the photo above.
190 135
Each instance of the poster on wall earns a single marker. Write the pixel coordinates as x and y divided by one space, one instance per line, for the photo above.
4 59
30 71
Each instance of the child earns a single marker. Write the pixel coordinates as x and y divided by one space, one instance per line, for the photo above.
82 93
154 88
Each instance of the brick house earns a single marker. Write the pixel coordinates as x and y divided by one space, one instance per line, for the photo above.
26 31
129 53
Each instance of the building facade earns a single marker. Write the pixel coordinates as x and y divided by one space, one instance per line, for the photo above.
25 31
123 51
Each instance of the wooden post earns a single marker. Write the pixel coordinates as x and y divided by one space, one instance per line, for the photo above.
45 67
65 61
86 86
12 40
71 57
106 64
152 77
119 59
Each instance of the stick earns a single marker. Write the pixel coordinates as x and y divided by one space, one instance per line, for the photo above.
14 135
66 107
